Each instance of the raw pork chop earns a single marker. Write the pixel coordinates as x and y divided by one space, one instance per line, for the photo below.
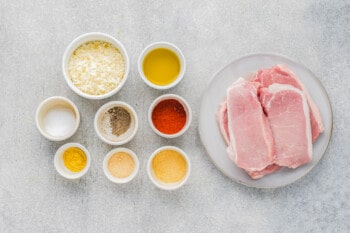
267 170
251 142
281 74
221 118
288 113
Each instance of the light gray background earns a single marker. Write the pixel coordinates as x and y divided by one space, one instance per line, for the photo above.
33 37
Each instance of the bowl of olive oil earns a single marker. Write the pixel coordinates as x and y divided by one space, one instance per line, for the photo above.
161 65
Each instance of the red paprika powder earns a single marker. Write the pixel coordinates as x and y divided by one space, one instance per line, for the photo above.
169 116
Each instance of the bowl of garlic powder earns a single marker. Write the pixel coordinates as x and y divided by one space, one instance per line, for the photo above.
95 65
120 165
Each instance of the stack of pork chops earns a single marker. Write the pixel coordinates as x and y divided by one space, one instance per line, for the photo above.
269 122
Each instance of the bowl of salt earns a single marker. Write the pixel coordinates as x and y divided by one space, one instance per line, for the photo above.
57 118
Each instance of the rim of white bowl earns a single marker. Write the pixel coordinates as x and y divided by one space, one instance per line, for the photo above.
168 186
92 36
116 179
108 105
38 113
63 170
183 102
173 48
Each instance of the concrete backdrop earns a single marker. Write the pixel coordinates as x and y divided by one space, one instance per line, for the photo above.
33 37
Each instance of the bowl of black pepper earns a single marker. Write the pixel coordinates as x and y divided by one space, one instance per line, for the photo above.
116 123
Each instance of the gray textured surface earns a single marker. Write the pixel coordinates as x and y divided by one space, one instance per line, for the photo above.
34 198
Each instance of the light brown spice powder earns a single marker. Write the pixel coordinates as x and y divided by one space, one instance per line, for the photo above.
121 165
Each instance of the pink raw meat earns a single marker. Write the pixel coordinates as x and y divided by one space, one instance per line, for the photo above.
251 142
288 113
267 170
221 118
283 75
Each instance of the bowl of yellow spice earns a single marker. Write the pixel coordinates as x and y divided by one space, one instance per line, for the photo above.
169 168
72 160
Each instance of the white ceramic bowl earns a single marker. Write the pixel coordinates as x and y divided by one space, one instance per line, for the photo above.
103 130
187 109
62 169
116 179
171 47
160 184
50 104
92 37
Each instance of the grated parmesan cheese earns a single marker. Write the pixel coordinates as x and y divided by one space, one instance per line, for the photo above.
96 67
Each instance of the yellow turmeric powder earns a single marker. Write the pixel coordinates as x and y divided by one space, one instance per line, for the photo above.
74 159
169 166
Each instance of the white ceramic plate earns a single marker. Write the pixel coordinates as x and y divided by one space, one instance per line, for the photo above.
216 92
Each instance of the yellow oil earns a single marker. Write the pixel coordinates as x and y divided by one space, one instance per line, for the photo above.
161 66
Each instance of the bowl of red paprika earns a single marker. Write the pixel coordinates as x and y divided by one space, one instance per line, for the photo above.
170 115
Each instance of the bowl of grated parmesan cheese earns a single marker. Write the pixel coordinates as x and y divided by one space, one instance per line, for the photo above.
95 65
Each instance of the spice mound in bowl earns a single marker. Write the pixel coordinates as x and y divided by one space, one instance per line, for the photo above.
116 123
72 160
95 65
120 165
169 167
169 115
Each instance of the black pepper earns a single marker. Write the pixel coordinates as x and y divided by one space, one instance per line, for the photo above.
119 119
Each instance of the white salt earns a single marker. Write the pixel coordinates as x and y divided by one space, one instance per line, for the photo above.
59 121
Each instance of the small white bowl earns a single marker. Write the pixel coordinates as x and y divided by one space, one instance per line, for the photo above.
62 169
160 184
103 129
171 47
50 104
187 109
93 36
116 179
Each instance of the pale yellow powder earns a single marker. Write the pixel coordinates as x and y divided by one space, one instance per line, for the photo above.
169 166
